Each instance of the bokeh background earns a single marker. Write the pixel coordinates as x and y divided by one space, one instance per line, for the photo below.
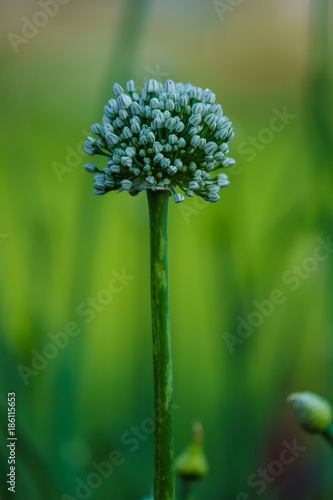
60 244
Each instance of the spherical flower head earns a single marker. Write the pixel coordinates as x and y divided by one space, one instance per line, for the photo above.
313 411
171 136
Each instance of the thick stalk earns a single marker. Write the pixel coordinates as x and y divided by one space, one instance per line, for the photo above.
164 484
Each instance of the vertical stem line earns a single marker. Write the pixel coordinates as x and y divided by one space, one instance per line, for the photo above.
164 484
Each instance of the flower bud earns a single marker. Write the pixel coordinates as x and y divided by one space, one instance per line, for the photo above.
198 108
227 162
91 168
169 105
130 86
154 103
127 133
313 411
172 139
184 100
195 119
192 464
213 197
222 180
135 108
117 89
170 123
126 184
115 168
158 157
130 151
193 185
210 148
178 197
135 127
96 128
152 85
111 139
126 161
195 93
169 86
157 147
179 127
124 101
195 141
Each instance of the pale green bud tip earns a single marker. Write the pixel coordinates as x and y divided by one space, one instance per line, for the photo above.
313 411
171 136
192 465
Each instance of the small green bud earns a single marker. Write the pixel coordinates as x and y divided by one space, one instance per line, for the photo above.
192 465
157 147
127 133
179 127
195 119
198 108
90 167
184 100
170 123
313 411
123 114
195 141
124 101
178 197
210 148
154 103
213 197
169 105
135 127
169 86
227 162
172 139
117 89
152 85
126 184
130 86
111 139
135 108
193 185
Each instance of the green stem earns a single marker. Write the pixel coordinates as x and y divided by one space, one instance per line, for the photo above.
164 485
187 490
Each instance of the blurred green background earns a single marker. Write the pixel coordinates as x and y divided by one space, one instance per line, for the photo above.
60 244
